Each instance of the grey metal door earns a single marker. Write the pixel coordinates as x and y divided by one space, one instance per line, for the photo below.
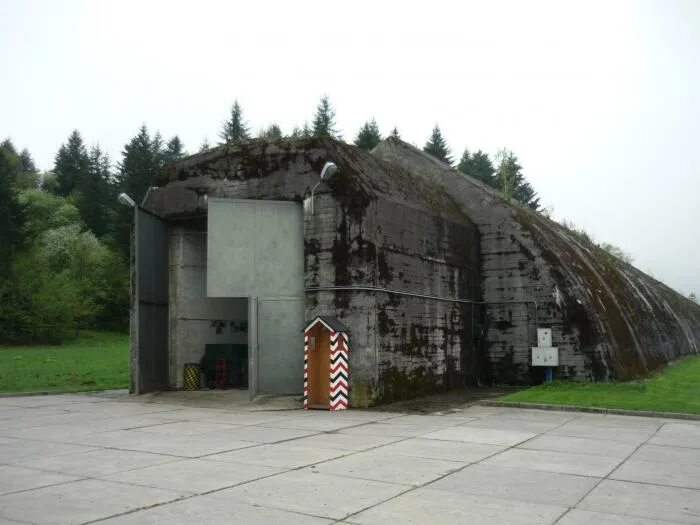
255 249
149 348
280 345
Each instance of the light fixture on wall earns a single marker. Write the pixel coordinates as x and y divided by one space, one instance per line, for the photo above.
126 200
329 169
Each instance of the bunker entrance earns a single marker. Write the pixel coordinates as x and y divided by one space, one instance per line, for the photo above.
255 257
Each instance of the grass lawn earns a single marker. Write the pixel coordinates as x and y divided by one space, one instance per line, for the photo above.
675 389
94 361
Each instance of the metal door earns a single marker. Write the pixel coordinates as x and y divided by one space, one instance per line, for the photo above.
149 346
280 355
255 249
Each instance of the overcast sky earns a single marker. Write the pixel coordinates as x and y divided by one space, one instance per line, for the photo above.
598 99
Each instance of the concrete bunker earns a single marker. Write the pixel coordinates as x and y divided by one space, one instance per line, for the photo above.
441 281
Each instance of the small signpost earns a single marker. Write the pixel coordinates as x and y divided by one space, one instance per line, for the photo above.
544 354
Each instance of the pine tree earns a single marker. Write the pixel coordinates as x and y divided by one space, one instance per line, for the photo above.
174 150
273 132
29 177
368 137
306 131
324 119
512 181
71 164
437 147
395 133
95 195
141 158
205 146
27 161
235 129
478 166
11 211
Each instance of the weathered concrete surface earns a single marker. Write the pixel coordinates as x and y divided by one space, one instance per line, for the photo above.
373 225
163 459
399 219
609 320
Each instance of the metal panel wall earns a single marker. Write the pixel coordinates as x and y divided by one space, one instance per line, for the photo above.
151 302
255 249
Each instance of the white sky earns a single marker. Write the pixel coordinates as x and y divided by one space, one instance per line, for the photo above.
599 99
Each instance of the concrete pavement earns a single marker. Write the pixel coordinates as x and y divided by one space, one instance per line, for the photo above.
124 460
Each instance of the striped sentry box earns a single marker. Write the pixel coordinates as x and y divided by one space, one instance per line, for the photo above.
339 371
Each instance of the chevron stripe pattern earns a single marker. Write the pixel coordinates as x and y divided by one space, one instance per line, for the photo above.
306 371
339 371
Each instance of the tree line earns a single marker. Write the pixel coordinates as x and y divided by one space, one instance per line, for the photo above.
65 239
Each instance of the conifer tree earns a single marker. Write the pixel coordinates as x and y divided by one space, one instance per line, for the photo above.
512 181
437 147
174 150
368 137
71 164
273 132
205 145
324 119
395 133
95 194
306 131
11 212
478 166
235 129
141 158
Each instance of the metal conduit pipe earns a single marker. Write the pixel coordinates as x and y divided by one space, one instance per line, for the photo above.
419 295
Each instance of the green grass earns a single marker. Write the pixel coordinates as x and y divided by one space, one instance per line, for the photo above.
93 361
674 389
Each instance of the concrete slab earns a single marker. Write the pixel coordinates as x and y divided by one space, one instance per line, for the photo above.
584 517
316 494
193 476
481 435
579 445
314 424
141 448
645 501
672 474
265 434
445 508
549 461
14 479
610 432
380 466
18 449
547 488
678 435
447 420
666 454
180 446
185 428
389 428
462 452
95 462
208 510
281 455
501 422
351 442
79 502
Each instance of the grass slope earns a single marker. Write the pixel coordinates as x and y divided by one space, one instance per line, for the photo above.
94 361
675 389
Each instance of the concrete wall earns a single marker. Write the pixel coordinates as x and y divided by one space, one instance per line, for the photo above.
372 227
196 320
609 320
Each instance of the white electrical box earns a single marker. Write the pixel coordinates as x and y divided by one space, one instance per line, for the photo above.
545 356
544 337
